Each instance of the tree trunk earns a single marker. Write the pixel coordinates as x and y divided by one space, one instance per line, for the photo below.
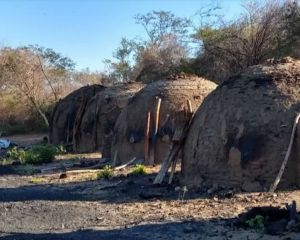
43 115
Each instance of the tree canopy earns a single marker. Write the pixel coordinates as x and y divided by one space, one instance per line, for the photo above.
38 76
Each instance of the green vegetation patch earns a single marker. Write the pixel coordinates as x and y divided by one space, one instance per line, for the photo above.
258 222
94 177
37 154
5 161
139 169
37 180
106 173
16 154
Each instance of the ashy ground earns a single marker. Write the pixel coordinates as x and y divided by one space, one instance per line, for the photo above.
75 205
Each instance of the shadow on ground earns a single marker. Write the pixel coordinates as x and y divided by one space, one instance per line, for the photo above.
77 161
175 230
117 190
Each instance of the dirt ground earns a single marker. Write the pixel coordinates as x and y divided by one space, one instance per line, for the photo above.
64 200
76 206
25 140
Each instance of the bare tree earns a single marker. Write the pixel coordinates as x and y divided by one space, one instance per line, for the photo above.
21 71
28 73
54 67
159 24
85 77
259 34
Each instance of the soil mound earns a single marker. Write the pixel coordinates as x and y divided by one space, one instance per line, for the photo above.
67 112
240 134
129 132
99 118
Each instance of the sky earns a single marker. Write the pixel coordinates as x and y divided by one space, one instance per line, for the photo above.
88 31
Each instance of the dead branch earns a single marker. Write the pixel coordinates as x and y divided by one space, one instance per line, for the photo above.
173 168
175 148
287 155
126 164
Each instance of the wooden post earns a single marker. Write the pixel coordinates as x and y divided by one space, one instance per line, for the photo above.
115 158
190 108
146 139
166 164
287 155
154 137
173 168
176 146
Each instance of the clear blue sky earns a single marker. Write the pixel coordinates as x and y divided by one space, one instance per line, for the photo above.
87 31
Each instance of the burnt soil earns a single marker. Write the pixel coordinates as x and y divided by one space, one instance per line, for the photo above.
75 206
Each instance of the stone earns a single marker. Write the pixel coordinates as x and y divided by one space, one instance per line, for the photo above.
62 175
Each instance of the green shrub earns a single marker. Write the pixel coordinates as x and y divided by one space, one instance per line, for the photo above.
37 180
107 172
61 149
5 161
258 222
40 154
36 154
139 169
16 154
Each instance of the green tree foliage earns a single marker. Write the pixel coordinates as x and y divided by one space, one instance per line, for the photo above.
160 53
165 48
121 68
51 59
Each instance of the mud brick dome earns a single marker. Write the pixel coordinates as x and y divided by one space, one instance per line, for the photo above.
63 119
129 132
96 125
240 134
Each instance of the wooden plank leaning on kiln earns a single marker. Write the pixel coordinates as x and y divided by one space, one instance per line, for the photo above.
287 155
146 139
177 144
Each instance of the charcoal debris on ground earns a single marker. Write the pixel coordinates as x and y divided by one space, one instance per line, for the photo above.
131 207
275 220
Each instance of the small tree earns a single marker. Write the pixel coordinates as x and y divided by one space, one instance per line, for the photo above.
160 24
166 45
161 52
24 71
291 28
121 68
54 67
